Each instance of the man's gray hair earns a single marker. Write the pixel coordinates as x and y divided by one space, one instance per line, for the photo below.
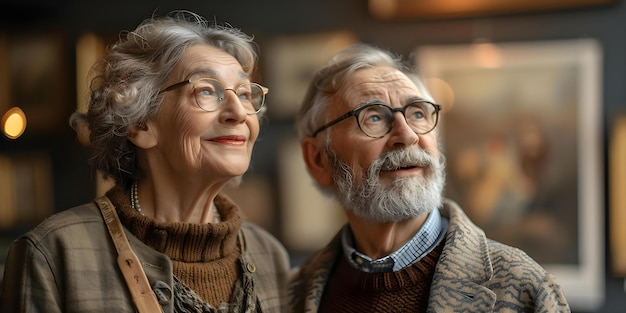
333 76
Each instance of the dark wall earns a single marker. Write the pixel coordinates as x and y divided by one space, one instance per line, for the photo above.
268 19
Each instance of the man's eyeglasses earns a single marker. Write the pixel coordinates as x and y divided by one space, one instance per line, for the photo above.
376 119
210 94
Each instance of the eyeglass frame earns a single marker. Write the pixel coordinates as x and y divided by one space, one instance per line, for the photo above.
180 84
357 111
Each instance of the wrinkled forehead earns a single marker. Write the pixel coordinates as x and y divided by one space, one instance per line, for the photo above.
207 61
379 83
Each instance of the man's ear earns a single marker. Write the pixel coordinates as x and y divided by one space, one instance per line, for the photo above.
143 135
316 161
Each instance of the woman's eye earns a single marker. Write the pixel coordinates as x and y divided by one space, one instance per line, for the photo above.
206 92
244 96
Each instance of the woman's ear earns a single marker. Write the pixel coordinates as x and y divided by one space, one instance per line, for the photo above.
316 161
143 135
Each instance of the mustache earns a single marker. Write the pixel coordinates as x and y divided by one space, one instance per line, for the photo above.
405 158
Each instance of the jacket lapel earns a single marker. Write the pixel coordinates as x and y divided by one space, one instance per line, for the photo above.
318 274
463 267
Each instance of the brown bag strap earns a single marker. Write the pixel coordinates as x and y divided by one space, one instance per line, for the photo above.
143 296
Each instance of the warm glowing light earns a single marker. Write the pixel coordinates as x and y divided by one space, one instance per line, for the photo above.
382 8
14 123
442 92
487 54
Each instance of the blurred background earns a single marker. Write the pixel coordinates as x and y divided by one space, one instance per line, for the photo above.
534 123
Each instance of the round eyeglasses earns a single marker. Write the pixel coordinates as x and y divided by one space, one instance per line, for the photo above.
210 94
376 119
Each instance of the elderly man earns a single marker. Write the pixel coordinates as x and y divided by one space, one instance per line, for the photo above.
369 138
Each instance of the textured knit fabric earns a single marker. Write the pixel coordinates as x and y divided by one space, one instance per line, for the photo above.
68 263
243 301
474 274
204 256
406 290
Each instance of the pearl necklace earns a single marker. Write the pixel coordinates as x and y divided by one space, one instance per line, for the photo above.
134 199
134 203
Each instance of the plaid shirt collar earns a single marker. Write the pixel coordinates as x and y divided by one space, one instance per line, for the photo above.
425 240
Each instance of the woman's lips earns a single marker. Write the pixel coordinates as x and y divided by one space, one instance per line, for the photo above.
230 140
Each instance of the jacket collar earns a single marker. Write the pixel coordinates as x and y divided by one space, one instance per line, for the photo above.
463 267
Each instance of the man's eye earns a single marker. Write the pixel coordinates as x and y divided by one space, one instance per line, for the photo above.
375 118
417 115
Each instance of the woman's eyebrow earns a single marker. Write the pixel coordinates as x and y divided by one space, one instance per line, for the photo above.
209 73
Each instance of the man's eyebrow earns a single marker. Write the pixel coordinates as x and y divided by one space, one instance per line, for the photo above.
374 101
413 99
407 101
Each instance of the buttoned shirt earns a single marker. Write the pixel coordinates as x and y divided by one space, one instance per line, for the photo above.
423 242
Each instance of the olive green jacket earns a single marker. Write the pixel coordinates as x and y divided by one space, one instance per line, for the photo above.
473 274
69 264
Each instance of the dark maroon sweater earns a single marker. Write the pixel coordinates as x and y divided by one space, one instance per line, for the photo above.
406 290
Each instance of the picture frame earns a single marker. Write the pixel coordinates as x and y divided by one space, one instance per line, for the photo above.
37 61
439 9
522 136
291 62
26 193
309 218
617 204
90 48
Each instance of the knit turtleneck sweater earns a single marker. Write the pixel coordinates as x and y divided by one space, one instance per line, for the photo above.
204 256
406 290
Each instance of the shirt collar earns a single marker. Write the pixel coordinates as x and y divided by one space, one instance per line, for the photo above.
424 241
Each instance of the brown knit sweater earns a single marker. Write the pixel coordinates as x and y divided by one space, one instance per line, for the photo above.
204 256
406 290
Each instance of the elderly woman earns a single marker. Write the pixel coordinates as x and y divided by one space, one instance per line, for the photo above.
173 118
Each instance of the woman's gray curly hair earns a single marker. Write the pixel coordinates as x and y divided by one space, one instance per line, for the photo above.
329 80
126 83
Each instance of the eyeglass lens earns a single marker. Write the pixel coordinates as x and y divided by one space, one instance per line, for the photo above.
210 95
376 120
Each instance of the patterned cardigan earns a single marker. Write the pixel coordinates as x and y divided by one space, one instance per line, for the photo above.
69 264
473 274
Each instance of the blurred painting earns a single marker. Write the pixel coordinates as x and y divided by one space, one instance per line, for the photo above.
311 219
26 190
521 135
512 157
35 68
291 63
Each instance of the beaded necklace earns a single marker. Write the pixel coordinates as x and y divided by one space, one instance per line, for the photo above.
134 203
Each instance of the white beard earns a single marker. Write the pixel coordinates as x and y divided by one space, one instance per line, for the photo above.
405 198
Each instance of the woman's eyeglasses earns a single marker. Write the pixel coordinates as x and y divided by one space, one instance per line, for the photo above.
210 94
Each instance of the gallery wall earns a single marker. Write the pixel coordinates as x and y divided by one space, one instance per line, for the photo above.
295 38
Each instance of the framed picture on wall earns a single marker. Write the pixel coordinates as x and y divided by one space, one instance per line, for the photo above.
34 72
617 200
291 62
310 219
437 9
26 189
522 136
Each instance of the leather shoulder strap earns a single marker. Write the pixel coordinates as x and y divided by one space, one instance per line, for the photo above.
143 296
